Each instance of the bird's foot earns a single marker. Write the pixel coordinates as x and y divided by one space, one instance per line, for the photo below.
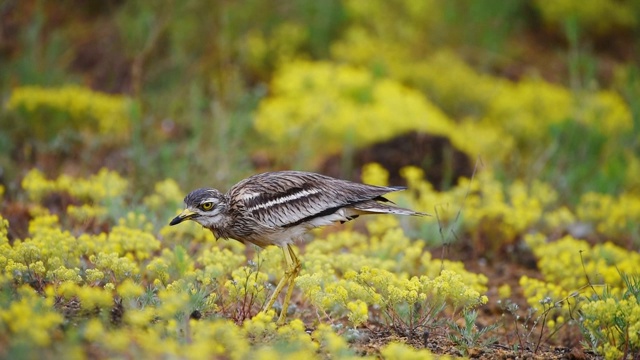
282 319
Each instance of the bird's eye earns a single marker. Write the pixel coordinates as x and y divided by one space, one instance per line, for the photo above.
206 206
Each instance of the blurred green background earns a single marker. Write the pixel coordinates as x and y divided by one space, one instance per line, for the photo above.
209 92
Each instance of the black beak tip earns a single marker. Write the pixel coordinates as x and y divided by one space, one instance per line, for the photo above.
176 220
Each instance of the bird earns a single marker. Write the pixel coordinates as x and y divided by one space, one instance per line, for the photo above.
279 208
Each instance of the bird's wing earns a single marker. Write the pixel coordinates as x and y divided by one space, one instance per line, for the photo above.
289 198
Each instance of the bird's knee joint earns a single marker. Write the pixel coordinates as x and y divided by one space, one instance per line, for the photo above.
292 271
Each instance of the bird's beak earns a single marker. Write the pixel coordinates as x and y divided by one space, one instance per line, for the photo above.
184 215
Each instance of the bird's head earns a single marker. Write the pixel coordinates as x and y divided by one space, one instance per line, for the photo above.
205 206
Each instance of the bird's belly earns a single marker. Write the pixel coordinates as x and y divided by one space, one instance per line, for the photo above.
280 237
340 216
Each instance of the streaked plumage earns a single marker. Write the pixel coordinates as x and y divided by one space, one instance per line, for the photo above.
278 208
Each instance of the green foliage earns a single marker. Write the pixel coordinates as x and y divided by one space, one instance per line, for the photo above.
468 335
486 24
611 322
65 120
588 14
37 55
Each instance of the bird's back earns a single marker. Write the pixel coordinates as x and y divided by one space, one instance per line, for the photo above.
289 203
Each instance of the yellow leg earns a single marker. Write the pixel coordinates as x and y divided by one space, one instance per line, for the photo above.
292 270
278 290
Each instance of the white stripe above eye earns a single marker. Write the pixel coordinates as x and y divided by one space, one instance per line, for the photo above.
284 199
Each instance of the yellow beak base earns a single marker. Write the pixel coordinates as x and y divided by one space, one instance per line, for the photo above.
186 214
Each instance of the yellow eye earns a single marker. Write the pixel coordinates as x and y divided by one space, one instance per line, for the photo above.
206 206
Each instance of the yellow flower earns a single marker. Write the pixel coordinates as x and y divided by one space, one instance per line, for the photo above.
93 330
128 289
504 291
81 109
245 283
331 101
101 187
359 312
140 318
31 318
375 174
400 351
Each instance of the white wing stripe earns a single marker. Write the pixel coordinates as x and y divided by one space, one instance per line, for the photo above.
284 199
248 196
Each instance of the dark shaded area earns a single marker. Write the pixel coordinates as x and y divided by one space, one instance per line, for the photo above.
102 61
442 163
17 213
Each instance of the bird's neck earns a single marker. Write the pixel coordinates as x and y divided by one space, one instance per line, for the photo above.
221 229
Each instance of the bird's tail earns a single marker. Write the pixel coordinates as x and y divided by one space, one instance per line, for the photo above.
374 207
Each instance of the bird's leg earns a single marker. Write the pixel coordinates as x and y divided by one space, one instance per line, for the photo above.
281 284
292 272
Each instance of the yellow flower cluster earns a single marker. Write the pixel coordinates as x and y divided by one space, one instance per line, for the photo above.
132 243
620 14
215 262
90 297
53 255
49 254
321 106
568 262
30 318
612 216
574 270
416 278
375 174
469 94
160 288
387 248
615 321
4 231
504 212
163 280
85 212
504 122
79 108
173 268
120 268
520 114
166 195
247 285
488 207
400 351
102 187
